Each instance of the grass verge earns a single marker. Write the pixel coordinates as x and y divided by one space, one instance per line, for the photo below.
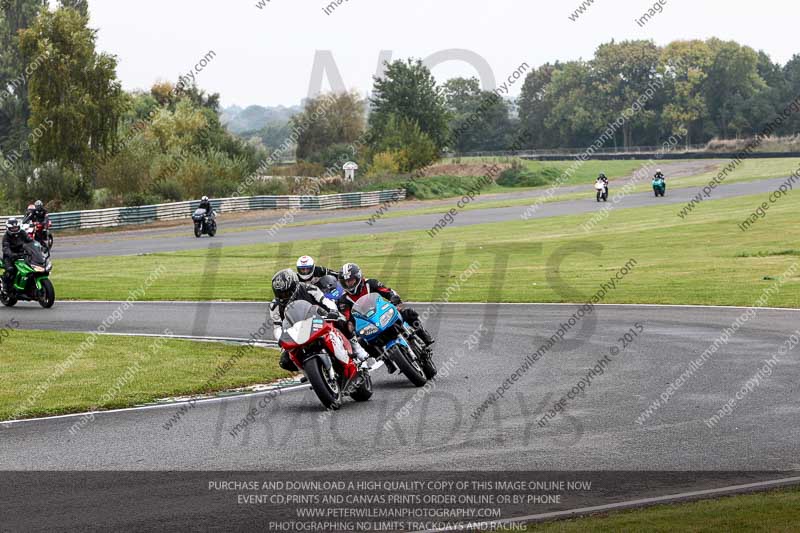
117 372
774 512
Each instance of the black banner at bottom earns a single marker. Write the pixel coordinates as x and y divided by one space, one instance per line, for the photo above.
326 501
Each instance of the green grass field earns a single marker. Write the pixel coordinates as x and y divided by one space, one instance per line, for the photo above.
768 512
703 260
586 173
117 371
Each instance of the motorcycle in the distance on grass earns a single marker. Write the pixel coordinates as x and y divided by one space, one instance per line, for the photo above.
310 337
602 191
389 337
204 223
659 186
32 280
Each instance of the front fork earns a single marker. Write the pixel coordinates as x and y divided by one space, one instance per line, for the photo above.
340 346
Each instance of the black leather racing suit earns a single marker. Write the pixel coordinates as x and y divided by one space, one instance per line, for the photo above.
207 206
13 248
321 272
35 215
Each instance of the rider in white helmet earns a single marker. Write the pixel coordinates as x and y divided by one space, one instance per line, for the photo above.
309 272
205 203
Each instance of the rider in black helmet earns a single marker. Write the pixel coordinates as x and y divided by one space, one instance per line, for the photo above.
37 214
287 289
14 241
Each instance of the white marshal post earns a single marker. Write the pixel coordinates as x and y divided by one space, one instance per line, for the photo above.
350 171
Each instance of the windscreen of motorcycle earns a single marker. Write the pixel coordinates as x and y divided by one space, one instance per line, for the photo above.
34 254
367 306
300 321
200 213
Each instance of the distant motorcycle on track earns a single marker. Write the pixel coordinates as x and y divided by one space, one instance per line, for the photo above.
602 191
204 223
659 187
41 233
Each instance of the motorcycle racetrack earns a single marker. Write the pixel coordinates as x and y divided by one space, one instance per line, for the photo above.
617 390
171 239
598 429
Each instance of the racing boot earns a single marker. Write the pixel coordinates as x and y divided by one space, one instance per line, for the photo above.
358 351
425 336
286 362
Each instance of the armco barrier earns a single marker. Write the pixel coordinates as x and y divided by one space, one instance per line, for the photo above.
675 155
123 216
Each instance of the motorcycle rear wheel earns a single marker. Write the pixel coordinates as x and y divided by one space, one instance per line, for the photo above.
8 301
326 390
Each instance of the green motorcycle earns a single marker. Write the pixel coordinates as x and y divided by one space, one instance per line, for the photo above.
659 186
32 281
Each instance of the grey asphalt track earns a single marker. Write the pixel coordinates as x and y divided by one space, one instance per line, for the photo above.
597 432
172 239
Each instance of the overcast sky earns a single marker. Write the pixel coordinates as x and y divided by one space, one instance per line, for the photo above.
265 56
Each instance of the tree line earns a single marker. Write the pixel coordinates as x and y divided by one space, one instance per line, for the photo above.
695 90
710 89
70 135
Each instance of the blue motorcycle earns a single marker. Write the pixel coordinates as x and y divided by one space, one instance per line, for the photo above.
381 325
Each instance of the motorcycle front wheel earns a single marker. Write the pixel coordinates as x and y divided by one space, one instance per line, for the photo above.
425 356
47 296
404 360
198 230
326 388
364 391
